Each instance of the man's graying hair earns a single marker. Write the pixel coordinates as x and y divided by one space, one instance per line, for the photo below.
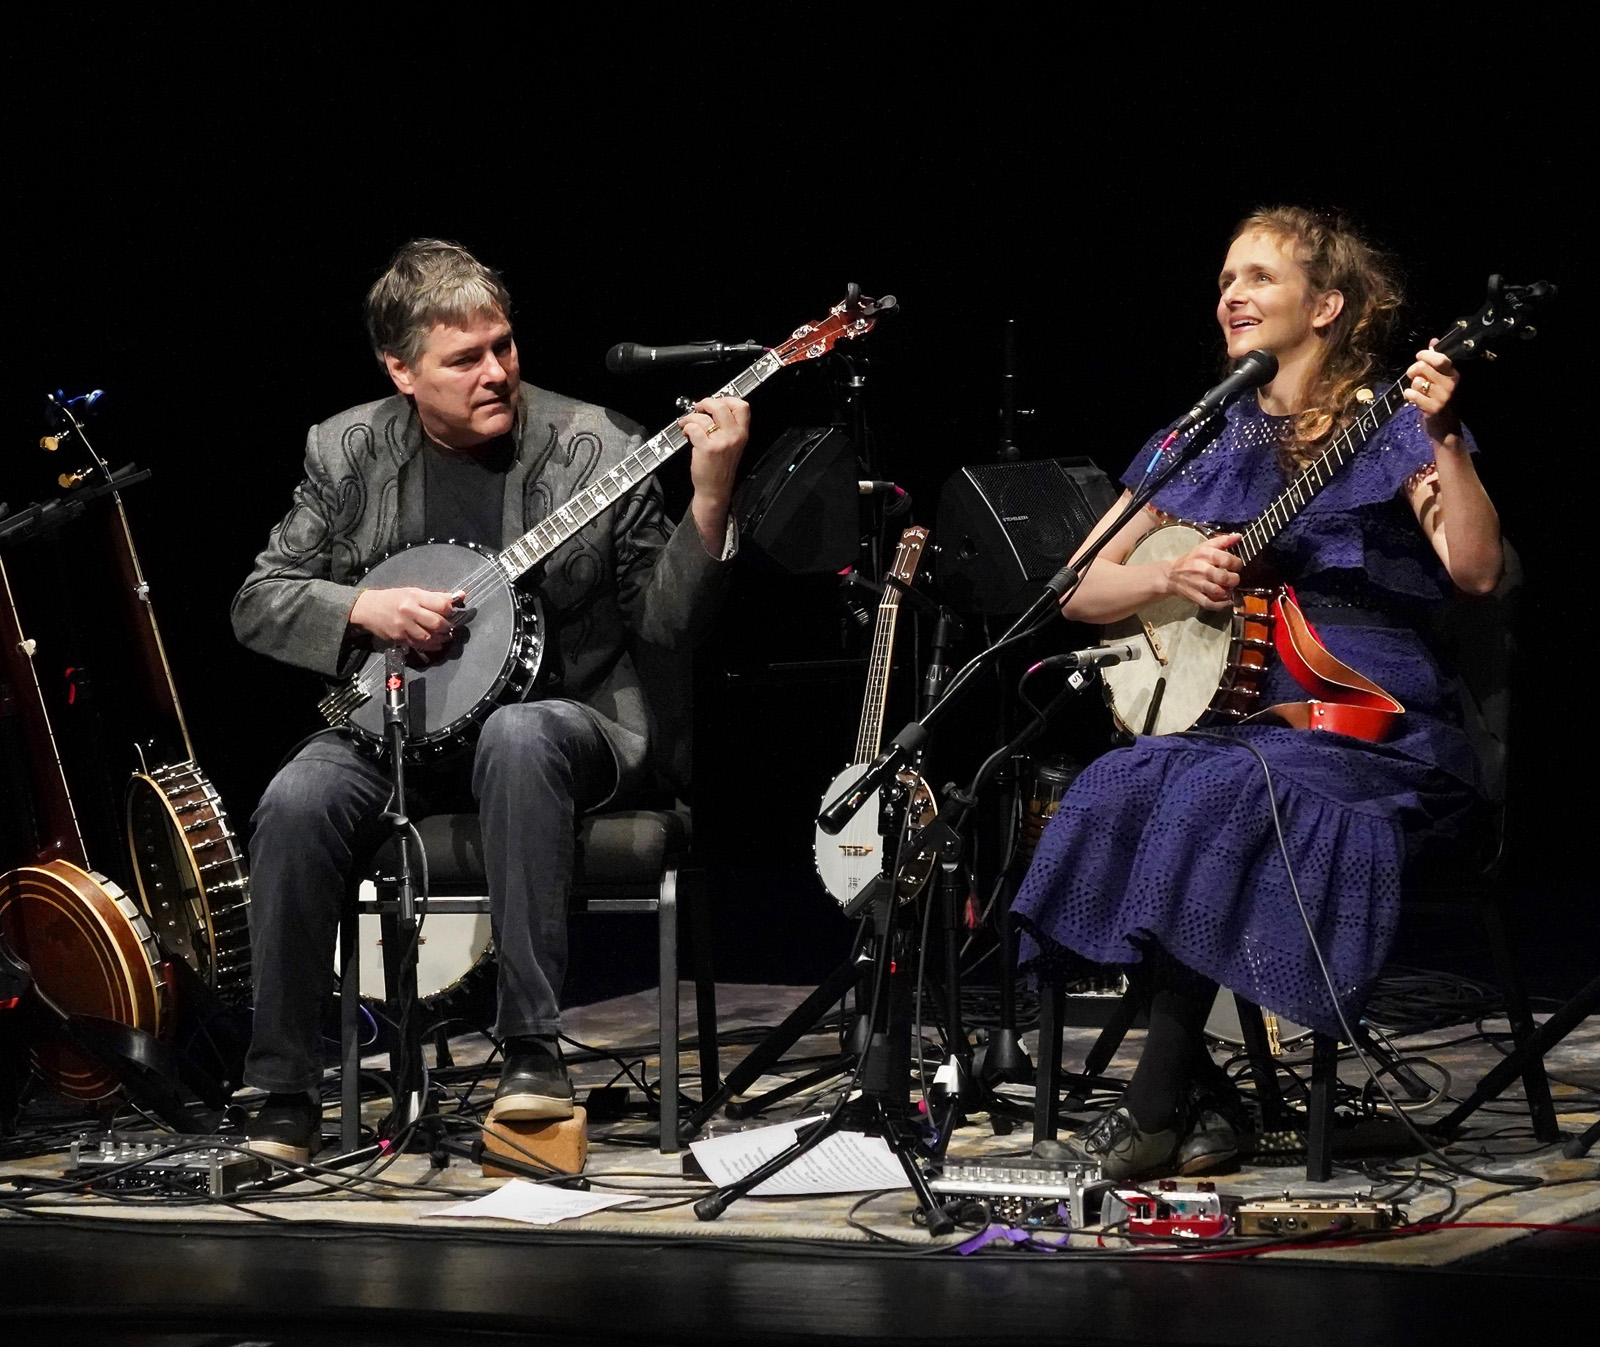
429 281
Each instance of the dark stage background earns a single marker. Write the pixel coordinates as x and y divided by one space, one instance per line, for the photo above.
198 228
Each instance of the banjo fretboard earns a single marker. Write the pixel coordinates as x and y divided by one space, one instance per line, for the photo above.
549 533
1318 473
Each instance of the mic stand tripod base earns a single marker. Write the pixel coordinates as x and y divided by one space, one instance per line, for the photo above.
1003 1061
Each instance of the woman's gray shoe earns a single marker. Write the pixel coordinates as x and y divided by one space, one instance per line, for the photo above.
1212 1144
1121 1148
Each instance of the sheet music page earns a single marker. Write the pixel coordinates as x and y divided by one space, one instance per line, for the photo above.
535 1203
844 1162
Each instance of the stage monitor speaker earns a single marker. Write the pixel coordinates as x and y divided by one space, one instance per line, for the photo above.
800 507
1003 529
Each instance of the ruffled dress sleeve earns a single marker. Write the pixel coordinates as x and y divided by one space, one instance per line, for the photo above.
1360 523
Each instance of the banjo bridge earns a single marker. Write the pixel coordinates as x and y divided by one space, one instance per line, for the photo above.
1155 645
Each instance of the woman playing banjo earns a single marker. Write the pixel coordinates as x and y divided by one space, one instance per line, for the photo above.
1164 856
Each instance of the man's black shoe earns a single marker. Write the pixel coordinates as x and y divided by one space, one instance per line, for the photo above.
288 1127
533 1085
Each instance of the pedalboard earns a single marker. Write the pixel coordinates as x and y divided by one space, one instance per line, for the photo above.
124 1161
1302 1215
1021 1192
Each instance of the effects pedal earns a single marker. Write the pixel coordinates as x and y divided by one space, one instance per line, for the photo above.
126 1160
1301 1215
1169 1212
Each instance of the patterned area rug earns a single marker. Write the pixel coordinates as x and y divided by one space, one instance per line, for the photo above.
1450 1216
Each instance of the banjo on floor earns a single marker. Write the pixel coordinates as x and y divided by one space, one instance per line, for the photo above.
495 655
850 859
1208 663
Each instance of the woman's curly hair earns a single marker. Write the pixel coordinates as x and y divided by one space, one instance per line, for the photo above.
1334 257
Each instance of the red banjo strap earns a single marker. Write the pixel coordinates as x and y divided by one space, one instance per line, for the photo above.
1343 701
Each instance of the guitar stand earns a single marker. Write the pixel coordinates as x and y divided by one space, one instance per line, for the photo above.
803 1019
1004 1060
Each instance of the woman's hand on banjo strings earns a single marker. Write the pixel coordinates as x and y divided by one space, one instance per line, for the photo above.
1207 574
1431 382
422 619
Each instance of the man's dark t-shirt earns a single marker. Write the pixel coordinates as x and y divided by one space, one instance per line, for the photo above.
463 494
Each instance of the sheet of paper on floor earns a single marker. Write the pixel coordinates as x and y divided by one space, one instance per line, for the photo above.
535 1203
844 1162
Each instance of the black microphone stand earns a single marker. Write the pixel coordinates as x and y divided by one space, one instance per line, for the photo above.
885 1063
883 1069
1057 590
410 1072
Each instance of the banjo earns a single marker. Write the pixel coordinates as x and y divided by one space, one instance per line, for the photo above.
1208 663
850 860
88 946
188 865
496 653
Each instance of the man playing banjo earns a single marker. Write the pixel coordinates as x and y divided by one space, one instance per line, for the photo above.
464 451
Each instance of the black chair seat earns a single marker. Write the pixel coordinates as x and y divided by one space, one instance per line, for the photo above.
626 849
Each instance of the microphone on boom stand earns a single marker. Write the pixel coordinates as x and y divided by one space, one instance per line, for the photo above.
628 357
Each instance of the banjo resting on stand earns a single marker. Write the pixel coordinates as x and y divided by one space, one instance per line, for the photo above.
87 944
1208 664
188 864
848 860
495 655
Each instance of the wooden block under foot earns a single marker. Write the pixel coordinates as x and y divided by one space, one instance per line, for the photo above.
561 1143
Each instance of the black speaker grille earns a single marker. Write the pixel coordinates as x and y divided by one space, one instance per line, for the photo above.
1003 527
1042 509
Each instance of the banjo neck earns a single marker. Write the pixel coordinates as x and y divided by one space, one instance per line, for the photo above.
1305 484
549 533
854 316
58 836
1504 314
870 736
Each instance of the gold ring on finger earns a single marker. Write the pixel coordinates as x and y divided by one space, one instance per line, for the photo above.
1423 386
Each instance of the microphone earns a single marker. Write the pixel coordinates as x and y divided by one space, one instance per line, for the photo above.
394 687
907 744
1095 657
628 357
1257 368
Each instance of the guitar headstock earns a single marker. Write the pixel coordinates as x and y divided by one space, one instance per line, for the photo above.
909 553
1504 313
854 316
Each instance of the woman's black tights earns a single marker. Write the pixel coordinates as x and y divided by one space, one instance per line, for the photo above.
1178 1001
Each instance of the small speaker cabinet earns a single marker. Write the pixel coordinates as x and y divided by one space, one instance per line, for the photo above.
1003 529
800 508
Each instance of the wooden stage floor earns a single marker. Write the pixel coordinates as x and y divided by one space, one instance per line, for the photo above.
374 1261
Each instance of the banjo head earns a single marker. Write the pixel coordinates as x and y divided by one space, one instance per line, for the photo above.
849 860
1186 649
493 658
191 875
452 948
